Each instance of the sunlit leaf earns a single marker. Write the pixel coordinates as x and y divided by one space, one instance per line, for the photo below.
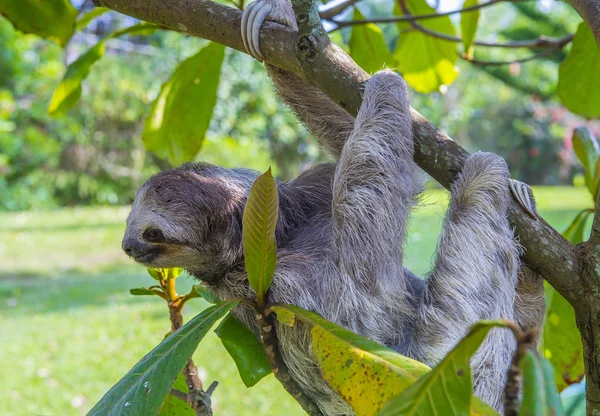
258 233
426 62
540 397
49 19
174 406
578 75
181 114
245 349
142 391
68 91
368 47
142 291
86 18
468 26
352 365
448 388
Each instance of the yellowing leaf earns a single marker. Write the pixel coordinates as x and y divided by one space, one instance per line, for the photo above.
258 234
49 19
68 92
181 114
424 61
579 75
368 47
448 388
468 26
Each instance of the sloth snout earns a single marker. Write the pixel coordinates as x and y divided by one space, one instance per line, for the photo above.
135 248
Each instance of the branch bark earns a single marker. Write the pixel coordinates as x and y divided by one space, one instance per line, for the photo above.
589 10
330 69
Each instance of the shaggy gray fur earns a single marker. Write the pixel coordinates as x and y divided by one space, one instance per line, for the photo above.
340 237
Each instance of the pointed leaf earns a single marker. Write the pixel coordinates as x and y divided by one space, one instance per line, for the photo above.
587 150
368 47
155 273
174 406
206 293
142 291
578 75
425 62
575 232
245 349
181 114
540 397
448 388
258 234
49 19
68 91
86 18
143 389
468 26
352 364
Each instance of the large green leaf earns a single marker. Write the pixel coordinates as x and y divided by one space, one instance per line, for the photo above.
352 365
50 19
243 346
173 406
588 152
180 115
368 47
448 389
579 75
540 397
426 62
468 26
143 389
68 91
258 234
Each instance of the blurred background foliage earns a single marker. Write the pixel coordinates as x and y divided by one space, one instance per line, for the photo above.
93 154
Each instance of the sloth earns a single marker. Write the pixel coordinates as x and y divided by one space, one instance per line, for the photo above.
341 232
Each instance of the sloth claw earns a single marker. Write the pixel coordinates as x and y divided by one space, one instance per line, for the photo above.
252 19
522 193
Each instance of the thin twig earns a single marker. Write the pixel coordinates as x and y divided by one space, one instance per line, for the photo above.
395 19
329 14
514 61
540 43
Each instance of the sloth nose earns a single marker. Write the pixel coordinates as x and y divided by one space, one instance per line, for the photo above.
134 248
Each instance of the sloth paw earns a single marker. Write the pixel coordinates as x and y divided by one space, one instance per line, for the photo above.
524 196
253 17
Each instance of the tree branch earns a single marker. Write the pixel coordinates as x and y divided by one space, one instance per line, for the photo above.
535 56
330 69
589 10
330 13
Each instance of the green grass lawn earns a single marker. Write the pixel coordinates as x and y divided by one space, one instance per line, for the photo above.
69 328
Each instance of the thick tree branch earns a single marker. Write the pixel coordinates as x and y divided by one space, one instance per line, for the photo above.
328 68
589 10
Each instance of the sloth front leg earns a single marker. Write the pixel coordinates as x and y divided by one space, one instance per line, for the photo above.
475 275
279 11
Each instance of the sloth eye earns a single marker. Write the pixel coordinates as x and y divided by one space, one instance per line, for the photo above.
153 235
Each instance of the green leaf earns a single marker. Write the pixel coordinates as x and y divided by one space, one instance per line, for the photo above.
540 397
258 234
181 114
155 273
49 19
425 62
206 293
575 232
86 18
368 47
468 26
573 400
587 150
448 388
68 91
578 75
244 348
142 291
143 389
174 406
352 364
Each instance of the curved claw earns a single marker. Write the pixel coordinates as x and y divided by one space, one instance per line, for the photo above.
252 19
523 195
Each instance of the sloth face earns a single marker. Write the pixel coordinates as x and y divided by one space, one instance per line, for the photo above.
188 217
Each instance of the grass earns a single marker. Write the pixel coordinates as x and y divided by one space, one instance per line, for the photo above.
70 329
